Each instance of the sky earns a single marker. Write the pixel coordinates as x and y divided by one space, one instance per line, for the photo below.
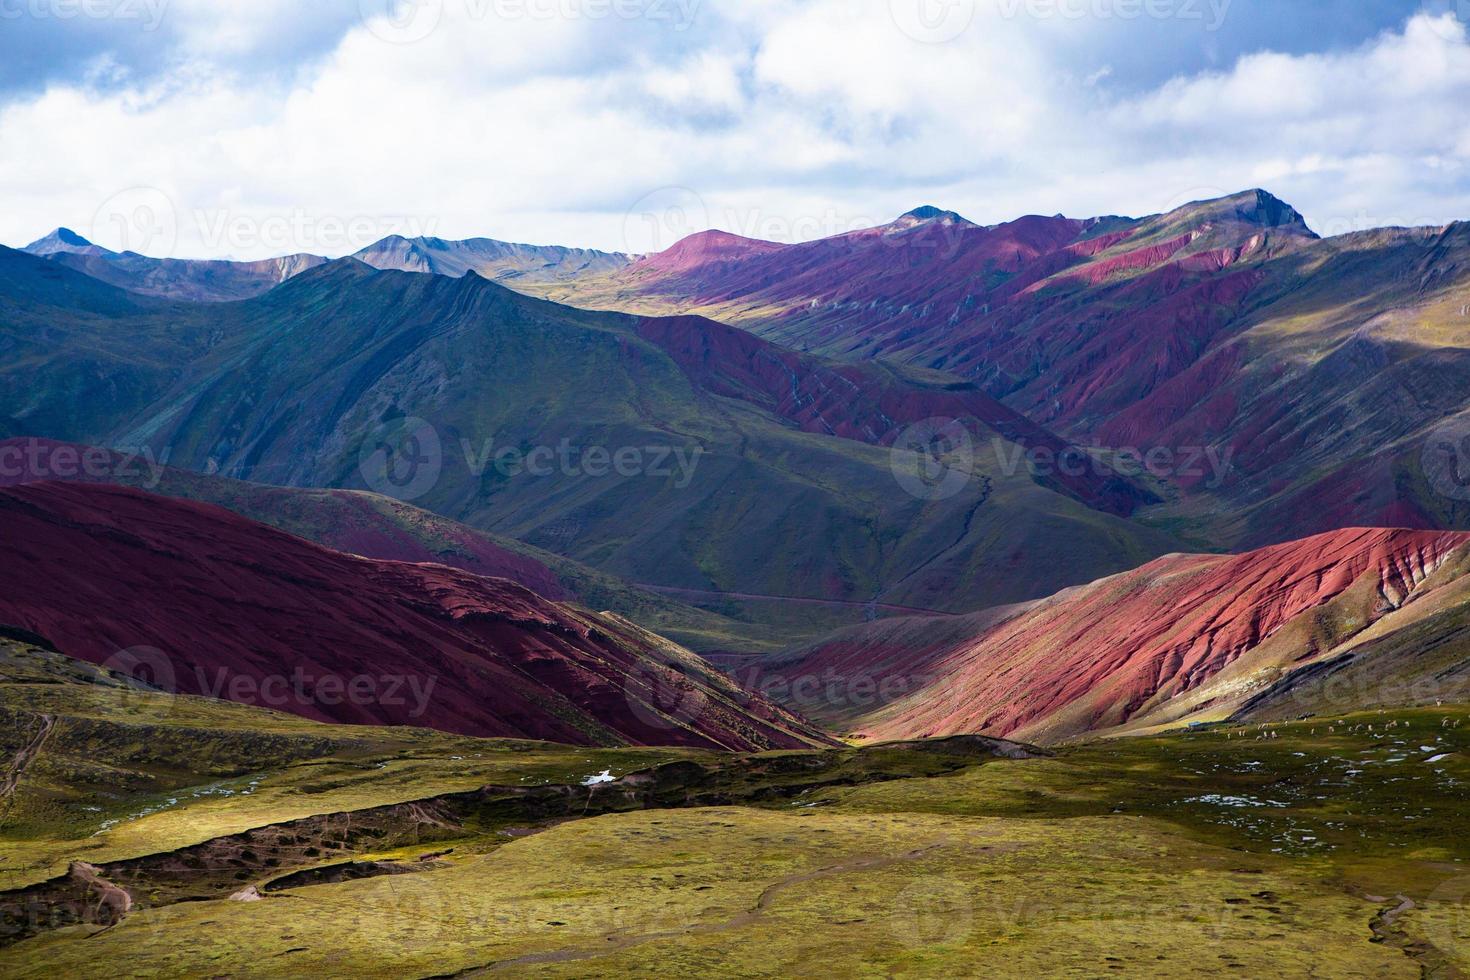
252 128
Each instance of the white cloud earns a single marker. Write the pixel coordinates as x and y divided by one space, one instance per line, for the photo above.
782 119
709 81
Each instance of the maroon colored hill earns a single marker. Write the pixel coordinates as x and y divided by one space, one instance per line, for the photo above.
248 613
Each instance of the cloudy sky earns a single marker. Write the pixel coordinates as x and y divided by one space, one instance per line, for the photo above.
257 127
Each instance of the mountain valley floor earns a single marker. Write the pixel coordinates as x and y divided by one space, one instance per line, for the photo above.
240 842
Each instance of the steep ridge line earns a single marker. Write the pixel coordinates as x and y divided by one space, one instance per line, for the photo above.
870 403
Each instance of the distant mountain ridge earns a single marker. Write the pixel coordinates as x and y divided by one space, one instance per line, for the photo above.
64 240
217 280
790 506
1321 367
495 260
205 280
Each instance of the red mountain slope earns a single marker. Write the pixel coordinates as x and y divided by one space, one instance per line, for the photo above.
242 611
699 252
1132 649
374 526
1070 321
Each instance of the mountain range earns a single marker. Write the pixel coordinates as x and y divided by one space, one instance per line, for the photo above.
935 424
468 607
1318 626
218 280
761 480
1320 367
208 280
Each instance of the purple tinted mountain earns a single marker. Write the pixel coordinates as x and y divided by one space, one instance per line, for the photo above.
1323 368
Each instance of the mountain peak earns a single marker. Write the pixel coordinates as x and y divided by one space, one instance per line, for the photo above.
1264 208
929 212
64 240
712 245
1255 208
69 237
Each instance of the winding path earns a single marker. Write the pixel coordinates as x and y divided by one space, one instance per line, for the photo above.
23 759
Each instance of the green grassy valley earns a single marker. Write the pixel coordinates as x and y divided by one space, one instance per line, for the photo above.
1331 845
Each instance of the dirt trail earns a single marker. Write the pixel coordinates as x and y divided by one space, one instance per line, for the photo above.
324 849
27 754
616 941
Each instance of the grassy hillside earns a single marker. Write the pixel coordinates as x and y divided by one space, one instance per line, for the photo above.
1299 850
738 484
